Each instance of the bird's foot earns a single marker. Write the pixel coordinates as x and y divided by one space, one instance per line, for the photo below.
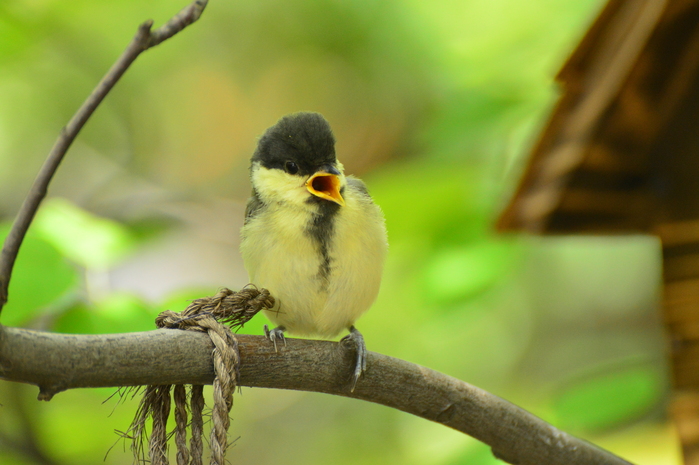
356 339
274 335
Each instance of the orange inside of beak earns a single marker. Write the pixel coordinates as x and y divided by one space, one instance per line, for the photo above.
326 186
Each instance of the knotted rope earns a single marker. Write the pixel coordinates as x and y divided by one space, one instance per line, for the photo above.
205 315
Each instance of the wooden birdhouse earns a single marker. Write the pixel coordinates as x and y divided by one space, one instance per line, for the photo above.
620 154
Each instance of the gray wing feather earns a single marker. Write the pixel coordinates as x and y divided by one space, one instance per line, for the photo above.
253 206
358 185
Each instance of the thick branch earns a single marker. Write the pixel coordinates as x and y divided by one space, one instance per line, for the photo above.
142 41
56 362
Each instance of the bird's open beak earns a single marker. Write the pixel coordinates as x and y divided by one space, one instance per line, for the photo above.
326 186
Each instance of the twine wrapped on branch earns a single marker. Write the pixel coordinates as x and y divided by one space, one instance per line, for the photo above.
215 316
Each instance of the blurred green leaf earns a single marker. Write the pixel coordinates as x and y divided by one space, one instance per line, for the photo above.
76 320
87 239
13 38
609 399
41 276
117 313
427 200
80 429
14 458
455 273
480 454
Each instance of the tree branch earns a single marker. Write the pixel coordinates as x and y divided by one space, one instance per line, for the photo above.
56 362
142 41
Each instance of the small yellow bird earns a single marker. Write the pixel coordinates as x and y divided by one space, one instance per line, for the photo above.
312 236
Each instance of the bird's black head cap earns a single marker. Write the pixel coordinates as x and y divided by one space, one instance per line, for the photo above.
303 138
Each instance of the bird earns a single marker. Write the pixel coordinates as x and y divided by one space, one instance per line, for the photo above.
312 236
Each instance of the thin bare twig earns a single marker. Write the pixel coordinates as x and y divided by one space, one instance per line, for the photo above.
142 41
56 362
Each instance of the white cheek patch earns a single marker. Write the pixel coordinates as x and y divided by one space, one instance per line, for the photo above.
274 185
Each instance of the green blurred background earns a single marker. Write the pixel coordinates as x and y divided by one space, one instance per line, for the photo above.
435 104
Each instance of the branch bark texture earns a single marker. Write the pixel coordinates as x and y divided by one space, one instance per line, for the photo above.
57 362
142 41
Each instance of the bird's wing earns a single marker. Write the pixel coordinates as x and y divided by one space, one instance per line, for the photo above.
358 186
253 206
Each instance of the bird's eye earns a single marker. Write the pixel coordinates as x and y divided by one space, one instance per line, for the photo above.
291 167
